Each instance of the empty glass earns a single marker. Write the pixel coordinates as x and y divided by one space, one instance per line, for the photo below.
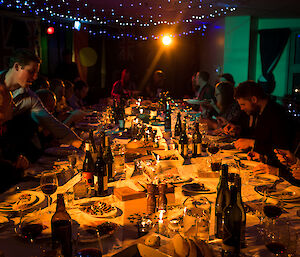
196 218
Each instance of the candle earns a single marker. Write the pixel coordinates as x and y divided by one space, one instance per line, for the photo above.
160 222
141 111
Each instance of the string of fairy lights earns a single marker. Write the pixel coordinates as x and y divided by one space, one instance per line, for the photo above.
122 20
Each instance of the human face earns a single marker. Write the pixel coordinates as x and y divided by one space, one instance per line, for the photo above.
25 75
249 106
6 105
218 96
83 92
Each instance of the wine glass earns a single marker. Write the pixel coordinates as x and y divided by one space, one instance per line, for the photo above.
277 238
49 183
30 228
213 149
196 218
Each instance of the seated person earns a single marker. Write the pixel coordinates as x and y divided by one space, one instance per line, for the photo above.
57 86
201 86
289 168
271 126
123 87
156 86
226 77
23 70
226 107
48 99
69 90
12 170
40 83
80 92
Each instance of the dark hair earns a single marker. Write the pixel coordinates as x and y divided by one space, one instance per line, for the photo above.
23 56
68 84
56 83
228 77
204 75
227 91
43 94
39 83
248 89
79 85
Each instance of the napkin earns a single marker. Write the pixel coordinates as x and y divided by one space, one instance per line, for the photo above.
129 183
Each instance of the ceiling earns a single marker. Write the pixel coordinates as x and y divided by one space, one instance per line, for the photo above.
139 18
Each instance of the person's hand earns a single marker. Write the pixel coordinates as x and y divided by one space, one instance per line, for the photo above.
231 129
77 143
285 157
222 121
253 156
296 173
265 168
244 143
22 162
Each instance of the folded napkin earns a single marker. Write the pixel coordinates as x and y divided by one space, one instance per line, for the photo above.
129 183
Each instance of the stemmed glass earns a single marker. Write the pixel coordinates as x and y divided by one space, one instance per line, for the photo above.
277 237
48 183
213 149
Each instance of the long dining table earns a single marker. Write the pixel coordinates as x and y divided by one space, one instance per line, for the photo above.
127 231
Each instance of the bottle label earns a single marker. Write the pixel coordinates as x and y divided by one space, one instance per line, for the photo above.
179 148
198 149
88 177
121 124
185 150
105 181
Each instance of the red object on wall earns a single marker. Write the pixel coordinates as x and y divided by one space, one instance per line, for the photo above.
50 30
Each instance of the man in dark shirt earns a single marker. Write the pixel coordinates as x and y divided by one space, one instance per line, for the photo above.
271 123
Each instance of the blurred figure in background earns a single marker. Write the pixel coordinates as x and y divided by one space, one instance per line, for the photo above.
226 107
123 87
80 92
40 83
57 86
157 85
67 70
201 86
69 90
226 77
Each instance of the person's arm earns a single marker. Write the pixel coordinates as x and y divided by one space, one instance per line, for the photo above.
40 115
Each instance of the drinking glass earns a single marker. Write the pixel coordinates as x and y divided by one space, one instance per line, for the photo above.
212 150
49 183
277 238
73 160
196 218
30 228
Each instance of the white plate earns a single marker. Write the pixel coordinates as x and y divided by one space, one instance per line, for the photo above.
22 201
289 194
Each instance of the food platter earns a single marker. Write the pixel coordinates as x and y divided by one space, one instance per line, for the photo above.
174 179
23 201
197 188
98 209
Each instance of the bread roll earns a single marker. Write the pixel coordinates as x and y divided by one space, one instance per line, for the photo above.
181 246
153 241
